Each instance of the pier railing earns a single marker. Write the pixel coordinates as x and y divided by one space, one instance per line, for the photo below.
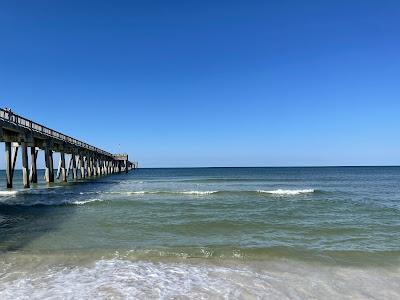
10 117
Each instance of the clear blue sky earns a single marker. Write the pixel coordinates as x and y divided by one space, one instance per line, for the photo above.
210 83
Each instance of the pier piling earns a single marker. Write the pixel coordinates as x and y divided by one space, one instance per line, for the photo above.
33 173
25 166
9 166
74 171
63 171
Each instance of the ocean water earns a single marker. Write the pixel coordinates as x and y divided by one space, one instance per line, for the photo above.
218 233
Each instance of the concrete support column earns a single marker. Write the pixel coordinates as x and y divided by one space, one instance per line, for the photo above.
94 167
33 175
93 162
51 166
69 166
9 165
74 170
98 167
49 172
46 165
89 166
82 167
25 165
85 166
63 171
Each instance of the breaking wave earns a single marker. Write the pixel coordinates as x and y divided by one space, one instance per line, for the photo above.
84 201
194 192
287 192
40 197
8 193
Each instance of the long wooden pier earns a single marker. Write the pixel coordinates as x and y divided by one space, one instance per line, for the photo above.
85 160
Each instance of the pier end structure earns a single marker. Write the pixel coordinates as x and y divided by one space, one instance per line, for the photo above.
122 163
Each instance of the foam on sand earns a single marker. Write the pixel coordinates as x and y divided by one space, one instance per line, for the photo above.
124 279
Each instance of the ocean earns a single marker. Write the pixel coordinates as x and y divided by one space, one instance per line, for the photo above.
211 233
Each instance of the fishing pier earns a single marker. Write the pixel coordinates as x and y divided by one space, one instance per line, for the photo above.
85 161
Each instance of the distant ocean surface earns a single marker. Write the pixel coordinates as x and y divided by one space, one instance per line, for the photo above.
234 233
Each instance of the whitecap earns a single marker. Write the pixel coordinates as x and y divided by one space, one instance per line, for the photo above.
8 193
139 193
287 192
197 192
84 201
6 196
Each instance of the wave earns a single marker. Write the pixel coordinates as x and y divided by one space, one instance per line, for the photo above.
8 193
278 192
48 202
287 192
33 191
222 180
38 197
84 201
198 192
194 192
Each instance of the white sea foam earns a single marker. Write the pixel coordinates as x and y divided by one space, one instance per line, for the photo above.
197 192
8 193
122 279
84 201
138 193
287 192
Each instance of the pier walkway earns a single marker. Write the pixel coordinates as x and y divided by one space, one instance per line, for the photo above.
85 160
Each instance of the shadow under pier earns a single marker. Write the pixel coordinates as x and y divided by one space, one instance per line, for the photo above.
20 224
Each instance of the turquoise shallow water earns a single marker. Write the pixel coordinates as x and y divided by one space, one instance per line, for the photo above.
318 229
